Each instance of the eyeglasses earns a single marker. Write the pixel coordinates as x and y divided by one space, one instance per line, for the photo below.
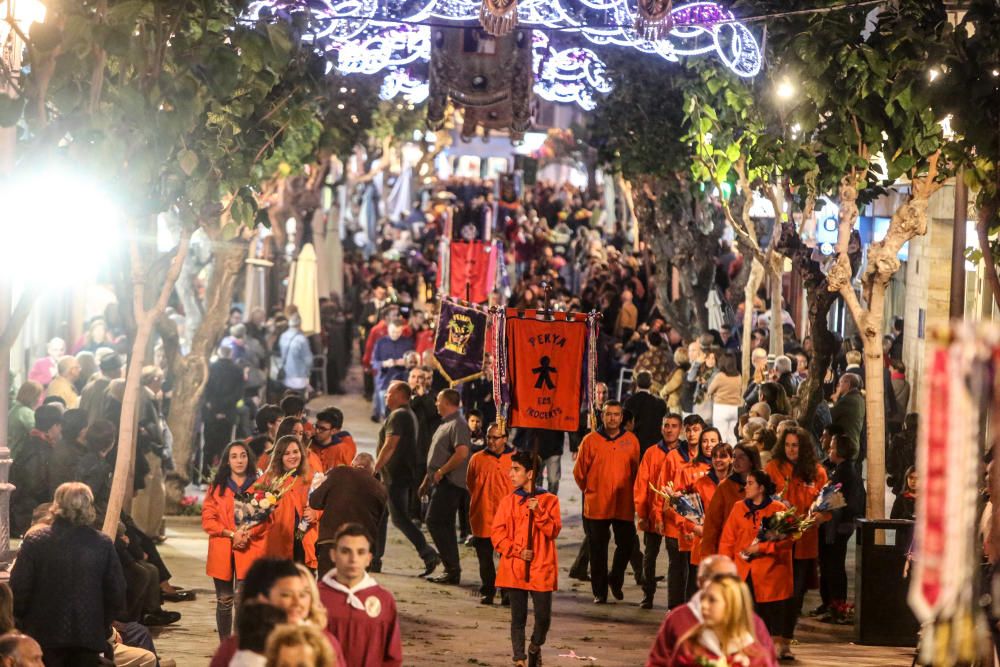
496 437
324 428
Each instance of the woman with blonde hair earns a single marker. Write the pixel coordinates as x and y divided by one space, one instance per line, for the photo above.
726 633
293 527
296 645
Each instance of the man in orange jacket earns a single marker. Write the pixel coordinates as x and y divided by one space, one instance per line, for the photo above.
605 471
524 531
649 505
488 479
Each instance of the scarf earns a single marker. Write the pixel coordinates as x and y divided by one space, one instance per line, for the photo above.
663 447
701 458
353 600
714 476
685 452
524 495
710 641
753 509
240 490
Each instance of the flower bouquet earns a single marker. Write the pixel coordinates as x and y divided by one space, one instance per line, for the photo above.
829 499
687 502
303 525
777 527
259 502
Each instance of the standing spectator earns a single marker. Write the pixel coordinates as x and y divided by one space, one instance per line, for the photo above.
21 418
46 368
30 471
901 394
67 582
848 411
488 479
447 464
724 391
333 446
836 533
94 394
673 388
649 411
388 363
64 384
628 315
149 503
362 615
296 357
397 463
349 494
605 471
223 391
68 450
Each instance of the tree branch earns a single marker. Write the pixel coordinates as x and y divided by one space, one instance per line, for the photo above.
986 213
19 316
854 305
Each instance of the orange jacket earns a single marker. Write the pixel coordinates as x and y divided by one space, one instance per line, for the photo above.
684 479
800 495
771 568
676 459
280 536
727 493
488 484
510 538
605 471
705 486
649 505
218 517
340 452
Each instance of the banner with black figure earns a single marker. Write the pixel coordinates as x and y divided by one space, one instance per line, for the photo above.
460 340
546 369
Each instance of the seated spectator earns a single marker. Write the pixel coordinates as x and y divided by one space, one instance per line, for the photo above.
17 650
30 471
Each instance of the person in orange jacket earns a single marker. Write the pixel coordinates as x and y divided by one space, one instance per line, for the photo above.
678 566
649 505
290 426
605 470
231 550
331 445
524 531
684 481
766 567
488 479
798 477
730 490
292 528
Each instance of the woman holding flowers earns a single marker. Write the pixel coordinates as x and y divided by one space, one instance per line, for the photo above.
798 477
725 637
684 481
746 458
705 487
231 549
292 528
764 564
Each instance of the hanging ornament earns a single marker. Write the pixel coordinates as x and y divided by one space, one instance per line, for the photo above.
654 20
498 17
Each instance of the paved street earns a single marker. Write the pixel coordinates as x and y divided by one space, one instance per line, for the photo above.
447 626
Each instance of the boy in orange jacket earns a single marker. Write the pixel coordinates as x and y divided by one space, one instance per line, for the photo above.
525 528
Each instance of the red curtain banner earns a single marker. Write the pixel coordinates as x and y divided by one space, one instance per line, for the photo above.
470 263
546 360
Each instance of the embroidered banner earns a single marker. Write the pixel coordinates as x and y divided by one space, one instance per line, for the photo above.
546 361
460 341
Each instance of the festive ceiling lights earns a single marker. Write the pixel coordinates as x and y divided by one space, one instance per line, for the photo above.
369 36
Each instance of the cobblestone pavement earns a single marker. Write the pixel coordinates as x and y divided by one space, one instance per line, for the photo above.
447 626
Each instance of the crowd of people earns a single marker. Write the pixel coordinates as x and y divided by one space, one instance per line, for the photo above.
672 414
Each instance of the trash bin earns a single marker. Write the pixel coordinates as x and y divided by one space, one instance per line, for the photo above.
882 616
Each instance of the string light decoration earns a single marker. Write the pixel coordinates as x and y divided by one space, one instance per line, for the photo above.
372 36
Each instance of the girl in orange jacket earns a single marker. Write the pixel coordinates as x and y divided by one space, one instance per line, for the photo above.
297 427
525 528
293 527
705 486
798 477
765 566
231 551
727 494
684 480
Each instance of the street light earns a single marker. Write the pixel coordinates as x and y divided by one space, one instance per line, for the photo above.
785 89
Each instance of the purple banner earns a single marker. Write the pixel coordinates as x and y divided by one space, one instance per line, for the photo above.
460 341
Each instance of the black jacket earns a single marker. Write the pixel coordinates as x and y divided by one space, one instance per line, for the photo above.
844 473
648 411
68 586
30 475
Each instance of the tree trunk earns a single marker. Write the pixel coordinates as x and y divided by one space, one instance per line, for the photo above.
192 371
777 321
753 284
875 411
121 484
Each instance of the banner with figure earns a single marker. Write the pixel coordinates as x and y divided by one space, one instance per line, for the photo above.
546 365
460 340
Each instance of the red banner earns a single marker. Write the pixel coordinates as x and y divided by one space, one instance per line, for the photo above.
546 360
470 264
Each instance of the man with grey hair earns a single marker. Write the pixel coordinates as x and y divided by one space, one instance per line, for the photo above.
782 374
63 385
681 620
296 357
349 494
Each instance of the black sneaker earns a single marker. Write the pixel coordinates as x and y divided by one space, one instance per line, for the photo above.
616 590
160 617
647 602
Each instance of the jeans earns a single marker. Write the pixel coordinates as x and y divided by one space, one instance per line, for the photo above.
678 568
378 403
553 473
487 568
651 543
542 601
225 595
833 569
446 501
401 515
599 531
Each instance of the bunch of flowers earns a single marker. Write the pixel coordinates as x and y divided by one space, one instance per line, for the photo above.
686 502
829 499
259 501
779 526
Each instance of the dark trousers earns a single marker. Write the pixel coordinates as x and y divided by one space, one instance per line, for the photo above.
142 589
599 531
542 602
218 434
692 582
774 614
446 501
69 657
487 568
833 569
651 543
401 513
464 529
801 570
678 569
581 566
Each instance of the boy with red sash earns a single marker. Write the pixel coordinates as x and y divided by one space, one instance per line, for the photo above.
525 528
488 479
